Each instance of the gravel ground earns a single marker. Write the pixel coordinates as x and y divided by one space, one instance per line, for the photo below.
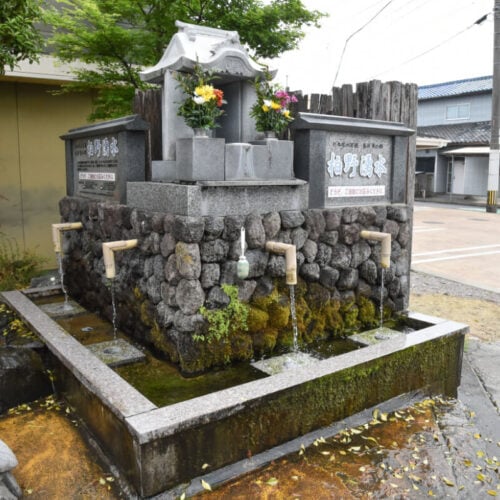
478 308
424 284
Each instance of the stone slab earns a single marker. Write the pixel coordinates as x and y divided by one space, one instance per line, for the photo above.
62 309
285 362
116 352
219 198
377 335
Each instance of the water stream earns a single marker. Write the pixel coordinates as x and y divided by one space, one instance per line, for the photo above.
113 305
381 309
294 319
61 277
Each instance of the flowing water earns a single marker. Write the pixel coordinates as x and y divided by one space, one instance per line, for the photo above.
61 277
113 305
382 275
294 319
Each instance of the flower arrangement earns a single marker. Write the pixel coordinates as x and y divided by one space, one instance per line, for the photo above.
271 111
202 106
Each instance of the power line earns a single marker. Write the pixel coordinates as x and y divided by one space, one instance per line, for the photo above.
356 32
479 21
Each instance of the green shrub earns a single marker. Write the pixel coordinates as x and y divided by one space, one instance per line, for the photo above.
222 323
17 267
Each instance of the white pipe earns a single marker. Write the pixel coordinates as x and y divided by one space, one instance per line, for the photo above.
57 229
108 252
385 238
290 259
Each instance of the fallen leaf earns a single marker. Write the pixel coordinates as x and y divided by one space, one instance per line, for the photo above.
272 481
206 486
447 481
477 435
480 454
182 497
467 462
204 466
492 493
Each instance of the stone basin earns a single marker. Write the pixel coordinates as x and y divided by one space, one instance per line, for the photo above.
159 448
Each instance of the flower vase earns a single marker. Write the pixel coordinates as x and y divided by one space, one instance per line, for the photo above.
199 132
270 134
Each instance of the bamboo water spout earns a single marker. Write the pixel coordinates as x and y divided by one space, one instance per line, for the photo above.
385 239
290 259
108 252
57 229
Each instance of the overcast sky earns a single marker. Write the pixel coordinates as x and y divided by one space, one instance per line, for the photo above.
383 49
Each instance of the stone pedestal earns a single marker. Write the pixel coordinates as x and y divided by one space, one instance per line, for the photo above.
273 159
200 159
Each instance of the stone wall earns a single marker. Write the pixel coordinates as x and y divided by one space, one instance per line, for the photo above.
181 263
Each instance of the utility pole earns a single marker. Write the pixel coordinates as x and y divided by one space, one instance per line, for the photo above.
494 163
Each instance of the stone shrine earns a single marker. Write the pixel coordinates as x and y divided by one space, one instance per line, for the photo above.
235 151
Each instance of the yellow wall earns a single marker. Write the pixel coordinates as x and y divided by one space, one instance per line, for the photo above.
32 162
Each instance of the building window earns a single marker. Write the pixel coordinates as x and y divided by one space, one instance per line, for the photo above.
458 112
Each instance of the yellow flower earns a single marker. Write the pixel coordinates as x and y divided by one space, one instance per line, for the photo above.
275 105
286 113
265 108
205 91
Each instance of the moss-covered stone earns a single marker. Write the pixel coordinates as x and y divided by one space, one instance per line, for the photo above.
279 314
367 312
349 311
265 341
257 319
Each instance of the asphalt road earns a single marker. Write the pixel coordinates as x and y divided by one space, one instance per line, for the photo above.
457 243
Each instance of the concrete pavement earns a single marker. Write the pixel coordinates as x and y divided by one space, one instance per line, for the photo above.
461 242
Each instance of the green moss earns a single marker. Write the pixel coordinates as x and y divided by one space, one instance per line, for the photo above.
349 311
147 313
334 322
367 312
265 341
257 319
162 343
279 315
223 323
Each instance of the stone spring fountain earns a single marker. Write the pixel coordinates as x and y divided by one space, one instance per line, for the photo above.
351 176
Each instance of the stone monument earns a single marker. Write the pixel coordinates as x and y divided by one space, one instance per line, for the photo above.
102 158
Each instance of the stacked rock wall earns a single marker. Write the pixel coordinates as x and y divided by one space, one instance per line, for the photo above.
181 263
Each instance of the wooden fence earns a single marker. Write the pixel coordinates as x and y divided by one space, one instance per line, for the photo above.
374 100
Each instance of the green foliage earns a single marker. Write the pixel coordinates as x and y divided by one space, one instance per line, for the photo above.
202 106
16 267
222 323
19 39
115 38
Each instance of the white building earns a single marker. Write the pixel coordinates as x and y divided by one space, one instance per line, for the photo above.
454 127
